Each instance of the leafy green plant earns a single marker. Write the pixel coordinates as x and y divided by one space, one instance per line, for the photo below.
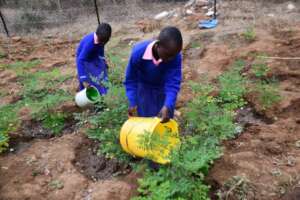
53 121
249 35
2 54
56 185
117 66
8 118
20 66
154 141
233 87
196 44
206 125
168 184
39 95
3 141
268 93
260 70
106 124
8 122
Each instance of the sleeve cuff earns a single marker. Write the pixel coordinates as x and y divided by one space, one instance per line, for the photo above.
132 104
83 78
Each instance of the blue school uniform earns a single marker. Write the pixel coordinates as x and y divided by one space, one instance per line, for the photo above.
91 65
150 86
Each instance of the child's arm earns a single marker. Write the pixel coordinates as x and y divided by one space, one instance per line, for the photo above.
83 57
172 82
131 79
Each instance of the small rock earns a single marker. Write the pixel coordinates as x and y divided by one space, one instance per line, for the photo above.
16 39
210 13
271 15
46 171
161 15
297 144
189 12
291 6
276 172
291 161
238 129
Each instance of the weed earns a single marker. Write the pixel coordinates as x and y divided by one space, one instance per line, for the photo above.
153 143
116 68
249 35
117 62
268 93
232 87
53 121
237 187
105 126
56 185
20 66
8 122
2 54
3 141
260 70
196 44
168 185
8 118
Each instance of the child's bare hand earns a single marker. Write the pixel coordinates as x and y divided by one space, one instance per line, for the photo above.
164 114
86 84
132 111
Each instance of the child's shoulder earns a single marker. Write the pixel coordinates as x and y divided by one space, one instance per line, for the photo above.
141 46
88 37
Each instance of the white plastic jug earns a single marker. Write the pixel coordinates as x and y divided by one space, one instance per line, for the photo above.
87 97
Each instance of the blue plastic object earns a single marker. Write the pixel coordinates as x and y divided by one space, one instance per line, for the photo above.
208 24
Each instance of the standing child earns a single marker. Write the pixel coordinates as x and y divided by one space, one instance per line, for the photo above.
90 60
153 75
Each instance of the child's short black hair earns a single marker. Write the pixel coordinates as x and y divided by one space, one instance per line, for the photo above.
171 34
104 31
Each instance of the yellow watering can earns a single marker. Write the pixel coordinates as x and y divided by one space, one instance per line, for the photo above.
137 134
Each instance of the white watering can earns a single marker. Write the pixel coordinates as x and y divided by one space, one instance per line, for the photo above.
87 97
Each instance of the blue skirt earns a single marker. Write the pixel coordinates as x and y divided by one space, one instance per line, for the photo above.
96 72
150 100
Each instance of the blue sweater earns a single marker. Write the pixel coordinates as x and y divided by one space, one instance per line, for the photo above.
87 51
167 75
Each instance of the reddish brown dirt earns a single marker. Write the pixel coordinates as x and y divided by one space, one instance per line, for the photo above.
266 154
46 171
95 166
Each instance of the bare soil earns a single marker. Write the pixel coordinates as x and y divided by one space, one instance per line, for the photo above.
265 155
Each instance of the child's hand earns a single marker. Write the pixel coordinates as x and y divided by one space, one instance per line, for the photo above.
86 84
132 111
164 114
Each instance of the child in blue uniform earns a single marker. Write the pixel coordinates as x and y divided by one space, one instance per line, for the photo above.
153 75
90 60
